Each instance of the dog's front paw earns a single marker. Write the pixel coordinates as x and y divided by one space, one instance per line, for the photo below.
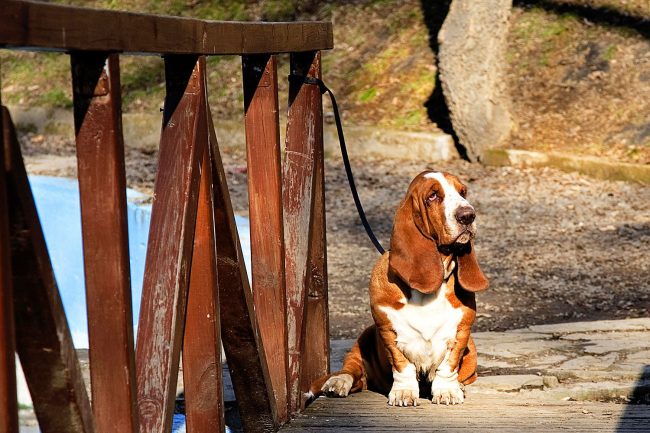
405 390
446 392
338 385
403 397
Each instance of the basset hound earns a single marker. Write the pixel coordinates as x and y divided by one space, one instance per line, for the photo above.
422 301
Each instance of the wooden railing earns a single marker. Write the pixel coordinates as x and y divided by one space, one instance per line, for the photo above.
196 294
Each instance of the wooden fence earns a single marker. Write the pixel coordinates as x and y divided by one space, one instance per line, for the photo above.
196 296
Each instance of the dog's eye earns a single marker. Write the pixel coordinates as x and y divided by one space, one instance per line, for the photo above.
433 197
463 193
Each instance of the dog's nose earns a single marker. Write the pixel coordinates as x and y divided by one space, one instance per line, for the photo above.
465 215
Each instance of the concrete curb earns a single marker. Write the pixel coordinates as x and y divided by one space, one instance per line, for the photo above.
142 131
592 166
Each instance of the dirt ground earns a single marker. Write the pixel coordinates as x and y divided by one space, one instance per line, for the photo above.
577 87
555 246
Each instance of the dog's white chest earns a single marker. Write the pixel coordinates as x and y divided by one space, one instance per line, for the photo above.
424 326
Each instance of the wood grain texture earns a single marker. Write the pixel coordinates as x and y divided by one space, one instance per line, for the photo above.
102 191
304 140
202 376
315 336
36 25
266 228
240 333
171 234
8 400
368 412
43 339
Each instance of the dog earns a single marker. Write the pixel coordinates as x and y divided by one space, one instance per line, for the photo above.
422 299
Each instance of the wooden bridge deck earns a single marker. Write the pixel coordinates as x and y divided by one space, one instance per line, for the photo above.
368 412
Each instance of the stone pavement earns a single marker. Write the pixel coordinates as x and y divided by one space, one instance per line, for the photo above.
606 360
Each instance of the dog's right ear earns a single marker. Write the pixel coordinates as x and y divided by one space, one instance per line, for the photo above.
413 256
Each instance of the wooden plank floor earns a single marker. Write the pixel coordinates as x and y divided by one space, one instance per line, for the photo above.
368 412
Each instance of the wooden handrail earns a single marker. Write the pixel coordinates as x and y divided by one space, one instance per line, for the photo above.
42 26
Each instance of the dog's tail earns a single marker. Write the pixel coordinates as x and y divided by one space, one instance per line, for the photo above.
316 389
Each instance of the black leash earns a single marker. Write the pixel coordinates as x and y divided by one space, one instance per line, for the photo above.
344 153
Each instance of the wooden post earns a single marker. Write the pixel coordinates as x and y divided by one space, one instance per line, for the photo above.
316 336
171 234
240 333
302 170
315 325
265 200
102 191
202 344
43 339
8 399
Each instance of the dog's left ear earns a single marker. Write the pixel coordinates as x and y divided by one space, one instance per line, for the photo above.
470 276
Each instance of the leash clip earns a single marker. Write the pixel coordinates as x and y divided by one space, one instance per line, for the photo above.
293 78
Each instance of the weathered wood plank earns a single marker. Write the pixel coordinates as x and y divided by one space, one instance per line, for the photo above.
102 191
35 25
304 141
315 346
202 374
368 411
43 339
266 229
8 402
239 330
171 234
316 339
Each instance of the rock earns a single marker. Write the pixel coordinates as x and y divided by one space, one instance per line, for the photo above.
524 348
550 381
590 363
472 42
549 360
603 390
640 324
635 364
600 343
510 383
495 363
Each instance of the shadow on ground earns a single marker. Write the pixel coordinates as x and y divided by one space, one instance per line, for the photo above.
603 15
639 404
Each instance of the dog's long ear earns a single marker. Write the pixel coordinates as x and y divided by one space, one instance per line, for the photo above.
413 256
470 276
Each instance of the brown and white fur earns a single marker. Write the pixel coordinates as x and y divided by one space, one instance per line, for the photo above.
422 301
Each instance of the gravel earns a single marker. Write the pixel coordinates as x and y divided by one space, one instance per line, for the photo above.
556 246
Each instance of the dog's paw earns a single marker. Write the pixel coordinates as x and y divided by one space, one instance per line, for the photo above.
405 390
338 385
403 397
446 392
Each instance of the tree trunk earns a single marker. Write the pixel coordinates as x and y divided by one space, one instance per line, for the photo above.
471 64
